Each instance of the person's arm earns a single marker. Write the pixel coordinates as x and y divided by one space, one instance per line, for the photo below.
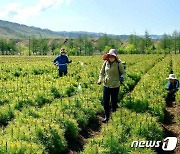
173 91
68 61
177 86
168 85
102 73
121 70
55 60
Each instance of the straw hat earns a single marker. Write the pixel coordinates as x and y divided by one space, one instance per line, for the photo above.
171 76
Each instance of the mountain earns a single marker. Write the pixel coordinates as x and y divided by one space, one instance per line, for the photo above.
15 30
20 31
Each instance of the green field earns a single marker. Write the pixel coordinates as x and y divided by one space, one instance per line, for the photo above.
42 113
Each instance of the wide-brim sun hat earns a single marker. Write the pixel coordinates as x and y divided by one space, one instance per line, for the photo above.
171 76
112 52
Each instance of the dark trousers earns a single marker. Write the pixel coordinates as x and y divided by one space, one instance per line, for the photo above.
110 93
61 73
170 99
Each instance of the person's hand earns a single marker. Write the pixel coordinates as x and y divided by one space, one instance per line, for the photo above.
121 80
55 67
70 61
99 82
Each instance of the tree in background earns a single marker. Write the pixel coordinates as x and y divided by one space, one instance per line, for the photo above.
148 43
3 46
166 43
178 42
39 46
102 42
23 50
84 45
88 47
34 45
141 45
44 48
54 44
133 39
11 47
79 45
8 47
175 40
132 46
105 42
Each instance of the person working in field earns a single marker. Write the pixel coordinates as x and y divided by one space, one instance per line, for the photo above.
172 87
112 72
61 61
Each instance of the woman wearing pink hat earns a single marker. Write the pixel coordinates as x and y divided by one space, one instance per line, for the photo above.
112 72
172 87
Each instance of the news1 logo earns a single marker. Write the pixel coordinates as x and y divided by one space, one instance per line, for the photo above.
168 144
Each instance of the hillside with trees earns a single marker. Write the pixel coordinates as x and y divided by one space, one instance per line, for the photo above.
24 40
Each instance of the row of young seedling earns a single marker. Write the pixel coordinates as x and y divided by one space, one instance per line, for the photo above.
138 123
39 124
37 90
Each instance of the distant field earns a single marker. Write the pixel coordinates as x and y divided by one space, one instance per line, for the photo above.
42 113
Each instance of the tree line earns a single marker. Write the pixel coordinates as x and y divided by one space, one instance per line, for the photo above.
84 45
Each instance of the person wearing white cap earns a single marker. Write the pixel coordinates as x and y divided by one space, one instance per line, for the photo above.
172 87
112 72
61 61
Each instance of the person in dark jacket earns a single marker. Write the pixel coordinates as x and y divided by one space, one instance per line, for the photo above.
61 61
172 87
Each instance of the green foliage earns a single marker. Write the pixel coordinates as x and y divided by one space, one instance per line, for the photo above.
70 91
21 147
130 48
3 101
17 73
55 92
6 114
72 51
106 49
42 100
22 103
23 49
56 51
48 113
71 130
52 138
8 47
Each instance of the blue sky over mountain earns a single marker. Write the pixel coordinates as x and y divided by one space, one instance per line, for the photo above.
112 17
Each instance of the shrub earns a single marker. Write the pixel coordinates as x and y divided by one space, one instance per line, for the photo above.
69 91
42 100
52 138
55 92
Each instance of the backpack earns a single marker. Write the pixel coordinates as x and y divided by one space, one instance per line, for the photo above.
124 65
121 78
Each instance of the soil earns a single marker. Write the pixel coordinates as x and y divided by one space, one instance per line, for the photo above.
93 129
171 127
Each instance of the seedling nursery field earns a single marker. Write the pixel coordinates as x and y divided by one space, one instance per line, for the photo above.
43 113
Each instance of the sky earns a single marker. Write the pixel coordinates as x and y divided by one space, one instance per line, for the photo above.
105 16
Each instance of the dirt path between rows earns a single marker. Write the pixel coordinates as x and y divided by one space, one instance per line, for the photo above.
171 126
92 129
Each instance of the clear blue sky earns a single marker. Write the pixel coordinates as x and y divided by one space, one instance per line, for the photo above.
107 16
